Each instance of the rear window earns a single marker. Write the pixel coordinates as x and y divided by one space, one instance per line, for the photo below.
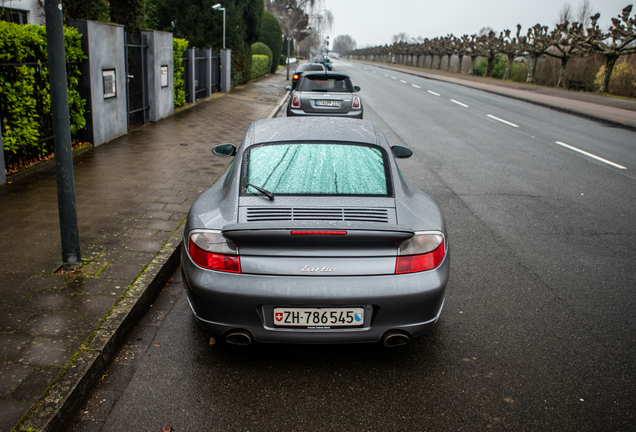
324 84
318 169
311 67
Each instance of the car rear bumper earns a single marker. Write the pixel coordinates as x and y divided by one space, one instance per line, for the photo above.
222 302
357 114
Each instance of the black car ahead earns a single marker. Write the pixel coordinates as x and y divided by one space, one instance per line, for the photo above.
306 67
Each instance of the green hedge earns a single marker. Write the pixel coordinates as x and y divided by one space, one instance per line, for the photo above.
21 93
178 48
260 65
259 48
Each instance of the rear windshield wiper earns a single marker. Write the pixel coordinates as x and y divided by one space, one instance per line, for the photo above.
265 192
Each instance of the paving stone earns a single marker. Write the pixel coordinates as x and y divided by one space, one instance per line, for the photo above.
122 271
90 305
48 324
11 376
12 297
12 413
44 301
155 206
34 385
12 319
11 345
138 233
46 281
178 208
164 225
43 351
94 286
157 215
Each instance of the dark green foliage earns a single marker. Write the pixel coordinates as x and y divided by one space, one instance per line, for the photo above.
260 65
195 21
498 68
178 48
272 36
292 51
259 48
21 92
130 13
95 10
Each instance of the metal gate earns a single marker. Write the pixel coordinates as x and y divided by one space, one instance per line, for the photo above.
136 72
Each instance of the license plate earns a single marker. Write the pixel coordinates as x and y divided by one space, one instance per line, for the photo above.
328 103
319 317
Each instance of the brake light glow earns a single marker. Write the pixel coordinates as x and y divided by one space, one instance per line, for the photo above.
296 102
296 76
356 103
214 261
421 262
318 233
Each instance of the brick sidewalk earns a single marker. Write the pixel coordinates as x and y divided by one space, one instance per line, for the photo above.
133 195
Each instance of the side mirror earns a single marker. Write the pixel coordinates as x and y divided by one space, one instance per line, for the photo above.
401 152
356 88
288 87
224 150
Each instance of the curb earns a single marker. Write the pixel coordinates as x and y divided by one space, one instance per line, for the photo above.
92 361
276 110
592 117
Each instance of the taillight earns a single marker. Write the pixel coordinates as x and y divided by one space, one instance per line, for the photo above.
424 251
356 103
209 249
295 102
296 76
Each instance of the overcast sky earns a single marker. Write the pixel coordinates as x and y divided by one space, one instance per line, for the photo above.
374 22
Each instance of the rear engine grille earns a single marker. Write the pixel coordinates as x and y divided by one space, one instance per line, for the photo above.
324 214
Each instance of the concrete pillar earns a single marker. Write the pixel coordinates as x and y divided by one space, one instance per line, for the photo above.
160 81
226 70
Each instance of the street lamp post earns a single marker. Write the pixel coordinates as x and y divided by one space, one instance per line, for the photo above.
218 7
290 9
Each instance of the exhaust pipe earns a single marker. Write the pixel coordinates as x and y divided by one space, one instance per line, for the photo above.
238 337
393 338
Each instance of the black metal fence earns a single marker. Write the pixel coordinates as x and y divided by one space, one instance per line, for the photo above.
137 71
26 155
206 78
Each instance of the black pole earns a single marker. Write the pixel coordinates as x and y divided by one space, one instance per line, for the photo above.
71 258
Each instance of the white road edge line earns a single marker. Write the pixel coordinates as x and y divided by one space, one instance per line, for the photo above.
393 78
386 76
503 121
459 103
416 86
404 81
433 93
590 155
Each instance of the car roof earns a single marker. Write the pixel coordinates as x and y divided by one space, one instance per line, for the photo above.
326 74
305 129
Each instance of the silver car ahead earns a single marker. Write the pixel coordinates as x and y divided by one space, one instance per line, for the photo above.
312 235
325 94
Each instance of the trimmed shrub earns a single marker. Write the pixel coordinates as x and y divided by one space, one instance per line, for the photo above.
21 90
178 48
260 66
259 48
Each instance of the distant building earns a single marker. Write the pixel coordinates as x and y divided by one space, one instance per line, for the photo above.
22 11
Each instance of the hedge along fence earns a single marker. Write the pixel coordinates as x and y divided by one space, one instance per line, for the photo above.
260 65
25 101
178 48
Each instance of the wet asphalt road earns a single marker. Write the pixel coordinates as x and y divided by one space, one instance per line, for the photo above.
538 330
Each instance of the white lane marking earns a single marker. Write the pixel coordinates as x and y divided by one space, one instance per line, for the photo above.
433 93
416 86
590 155
459 103
373 71
393 78
366 69
503 121
404 81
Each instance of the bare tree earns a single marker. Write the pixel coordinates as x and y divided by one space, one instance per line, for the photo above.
564 47
565 14
537 43
511 47
400 37
616 42
584 13
344 43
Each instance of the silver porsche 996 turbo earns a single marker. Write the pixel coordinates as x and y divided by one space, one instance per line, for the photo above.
312 235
